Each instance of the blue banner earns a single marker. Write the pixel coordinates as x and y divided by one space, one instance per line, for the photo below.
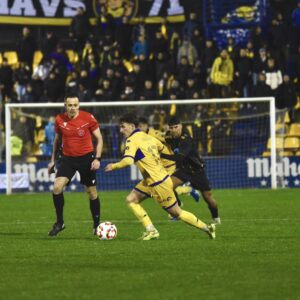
226 172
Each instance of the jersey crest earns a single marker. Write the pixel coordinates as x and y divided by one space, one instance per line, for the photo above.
81 132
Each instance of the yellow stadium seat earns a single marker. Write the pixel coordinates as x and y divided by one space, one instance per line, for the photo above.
286 153
297 106
12 57
0 58
292 143
294 129
41 136
287 118
279 143
72 55
266 154
38 55
281 129
297 153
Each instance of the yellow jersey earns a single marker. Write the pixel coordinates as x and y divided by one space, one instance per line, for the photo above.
168 164
145 150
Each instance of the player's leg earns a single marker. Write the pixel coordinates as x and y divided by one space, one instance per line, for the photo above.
178 179
191 219
65 172
133 200
201 182
94 205
58 201
212 205
164 195
188 190
89 180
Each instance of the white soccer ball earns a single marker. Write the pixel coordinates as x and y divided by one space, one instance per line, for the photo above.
107 231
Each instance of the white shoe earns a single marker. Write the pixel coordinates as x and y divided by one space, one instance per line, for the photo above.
211 231
216 221
150 235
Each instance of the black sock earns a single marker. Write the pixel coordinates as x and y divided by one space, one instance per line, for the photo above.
58 201
214 212
95 210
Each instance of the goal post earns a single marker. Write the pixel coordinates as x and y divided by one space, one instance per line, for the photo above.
112 110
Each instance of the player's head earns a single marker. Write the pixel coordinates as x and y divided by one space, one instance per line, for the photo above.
72 106
143 124
175 127
128 123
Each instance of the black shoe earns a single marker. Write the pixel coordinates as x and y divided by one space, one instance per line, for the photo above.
57 227
95 229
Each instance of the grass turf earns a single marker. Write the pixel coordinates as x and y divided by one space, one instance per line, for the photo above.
256 254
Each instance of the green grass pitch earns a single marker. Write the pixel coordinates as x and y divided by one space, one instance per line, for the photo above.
256 254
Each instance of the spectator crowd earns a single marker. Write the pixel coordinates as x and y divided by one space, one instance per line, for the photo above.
118 60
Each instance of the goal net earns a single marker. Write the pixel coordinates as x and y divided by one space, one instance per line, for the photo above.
236 138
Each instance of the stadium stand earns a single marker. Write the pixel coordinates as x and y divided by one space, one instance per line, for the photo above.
100 72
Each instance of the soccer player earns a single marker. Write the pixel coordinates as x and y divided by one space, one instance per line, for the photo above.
190 166
144 150
74 132
170 167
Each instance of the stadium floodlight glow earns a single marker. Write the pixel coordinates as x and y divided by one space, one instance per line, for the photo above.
117 108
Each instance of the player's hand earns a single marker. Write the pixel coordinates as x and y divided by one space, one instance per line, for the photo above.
108 168
95 165
51 167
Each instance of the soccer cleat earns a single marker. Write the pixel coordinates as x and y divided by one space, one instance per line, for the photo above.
57 227
195 194
171 218
216 221
211 231
150 235
95 228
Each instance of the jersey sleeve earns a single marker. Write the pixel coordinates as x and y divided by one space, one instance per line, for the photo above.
159 145
157 134
130 149
56 126
93 123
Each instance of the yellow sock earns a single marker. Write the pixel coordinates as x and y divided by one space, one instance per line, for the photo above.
181 190
141 214
191 219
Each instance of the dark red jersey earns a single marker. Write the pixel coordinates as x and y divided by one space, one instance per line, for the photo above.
76 133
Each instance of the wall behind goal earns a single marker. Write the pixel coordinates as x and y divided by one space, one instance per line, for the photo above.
227 172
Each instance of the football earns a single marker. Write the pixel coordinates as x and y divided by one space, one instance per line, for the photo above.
107 231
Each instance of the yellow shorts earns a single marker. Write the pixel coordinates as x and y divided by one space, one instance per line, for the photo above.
163 194
143 188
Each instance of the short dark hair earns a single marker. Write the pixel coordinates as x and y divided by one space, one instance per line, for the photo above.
71 96
174 121
143 120
129 118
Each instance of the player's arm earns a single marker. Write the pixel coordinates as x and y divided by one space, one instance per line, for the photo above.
181 153
98 151
125 162
56 145
128 158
